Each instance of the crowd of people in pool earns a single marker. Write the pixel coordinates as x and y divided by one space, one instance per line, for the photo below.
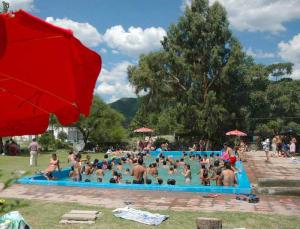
218 169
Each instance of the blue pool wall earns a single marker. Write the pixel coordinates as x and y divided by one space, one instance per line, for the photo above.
243 187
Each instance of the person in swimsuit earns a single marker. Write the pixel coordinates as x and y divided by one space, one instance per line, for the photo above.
228 176
53 165
76 169
99 173
139 172
187 174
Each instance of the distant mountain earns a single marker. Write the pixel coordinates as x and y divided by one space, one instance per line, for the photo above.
127 106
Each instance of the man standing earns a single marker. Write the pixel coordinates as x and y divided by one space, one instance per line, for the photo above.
139 172
228 176
266 147
33 149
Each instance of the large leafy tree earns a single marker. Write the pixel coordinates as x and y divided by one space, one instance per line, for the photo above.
103 125
202 82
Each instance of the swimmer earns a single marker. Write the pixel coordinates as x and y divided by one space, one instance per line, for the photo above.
204 175
99 173
171 170
127 171
165 165
120 166
187 173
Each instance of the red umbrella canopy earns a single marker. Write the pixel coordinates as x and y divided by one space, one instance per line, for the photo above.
236 133
143 130
44 70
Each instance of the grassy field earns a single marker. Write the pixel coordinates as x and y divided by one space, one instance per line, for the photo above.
41 215
47 215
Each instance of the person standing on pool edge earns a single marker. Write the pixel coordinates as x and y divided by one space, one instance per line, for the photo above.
33 149
139 172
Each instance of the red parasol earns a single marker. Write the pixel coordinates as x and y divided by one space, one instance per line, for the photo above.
143 130
236 133
44 70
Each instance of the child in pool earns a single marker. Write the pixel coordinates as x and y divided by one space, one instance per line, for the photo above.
171 171
187 173
75 173
120 166
153 170
165 165
127 172
204 175
159 181
99 173
175 168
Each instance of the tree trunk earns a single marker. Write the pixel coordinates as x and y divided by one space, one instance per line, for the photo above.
208 223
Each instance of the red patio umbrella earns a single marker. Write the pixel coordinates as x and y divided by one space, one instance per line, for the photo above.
143 130
236 133
44 70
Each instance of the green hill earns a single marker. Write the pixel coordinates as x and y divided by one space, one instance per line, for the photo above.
127 106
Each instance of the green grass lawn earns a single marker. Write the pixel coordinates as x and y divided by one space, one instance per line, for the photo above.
41 215
47 215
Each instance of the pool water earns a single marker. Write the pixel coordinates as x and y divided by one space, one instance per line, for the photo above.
162 173
63 179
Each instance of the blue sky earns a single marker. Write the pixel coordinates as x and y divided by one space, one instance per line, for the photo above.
121 30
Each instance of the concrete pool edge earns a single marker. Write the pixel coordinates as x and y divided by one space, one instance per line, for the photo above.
176 188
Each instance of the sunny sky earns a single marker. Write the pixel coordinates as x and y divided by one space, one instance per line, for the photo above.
121 30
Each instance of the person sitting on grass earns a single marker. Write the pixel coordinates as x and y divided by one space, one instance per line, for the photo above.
53 166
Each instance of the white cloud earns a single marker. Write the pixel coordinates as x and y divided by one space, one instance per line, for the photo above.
85 32
14 5
135 41
260 54
290 51
117 74
113 84
261 15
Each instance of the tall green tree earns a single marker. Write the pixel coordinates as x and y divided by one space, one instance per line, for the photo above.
202 82
103 125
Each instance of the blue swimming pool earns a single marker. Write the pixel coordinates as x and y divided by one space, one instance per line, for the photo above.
243 186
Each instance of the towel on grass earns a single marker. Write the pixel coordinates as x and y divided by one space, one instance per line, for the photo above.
140 216
13 220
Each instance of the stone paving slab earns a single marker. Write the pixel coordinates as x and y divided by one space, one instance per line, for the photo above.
279 168
153 200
